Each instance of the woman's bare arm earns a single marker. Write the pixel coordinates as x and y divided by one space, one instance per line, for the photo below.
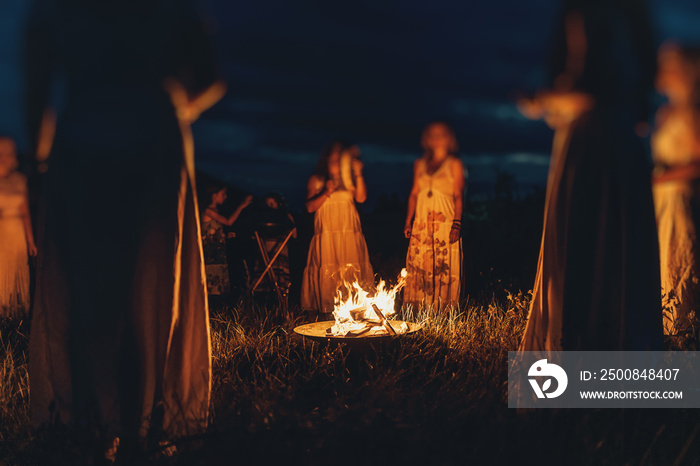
228 221
27 221
189 108
316 193
412 201
294 231
679 173
458 195
360 186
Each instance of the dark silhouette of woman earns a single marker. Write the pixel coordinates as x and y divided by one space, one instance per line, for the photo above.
597 285
120 337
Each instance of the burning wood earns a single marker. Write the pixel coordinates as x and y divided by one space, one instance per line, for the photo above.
360 314
385 322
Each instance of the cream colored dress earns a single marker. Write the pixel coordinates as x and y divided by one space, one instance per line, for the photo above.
14 266
673 202
434 265
337 252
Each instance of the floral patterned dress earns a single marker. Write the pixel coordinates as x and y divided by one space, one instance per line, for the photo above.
214 244
434 265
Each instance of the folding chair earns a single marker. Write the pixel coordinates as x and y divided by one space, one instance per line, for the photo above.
269 262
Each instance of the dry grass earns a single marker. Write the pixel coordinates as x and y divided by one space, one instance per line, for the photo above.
14 380
437 397
310 399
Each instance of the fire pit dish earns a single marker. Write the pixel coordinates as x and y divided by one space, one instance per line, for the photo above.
361 314
319 331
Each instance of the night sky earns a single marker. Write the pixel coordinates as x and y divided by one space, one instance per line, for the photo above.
372 71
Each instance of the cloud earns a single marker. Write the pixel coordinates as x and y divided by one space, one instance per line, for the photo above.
505 111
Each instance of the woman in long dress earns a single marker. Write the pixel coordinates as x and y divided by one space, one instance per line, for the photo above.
120 342
16 236
434 223
597 284
676 153
214 240
338 252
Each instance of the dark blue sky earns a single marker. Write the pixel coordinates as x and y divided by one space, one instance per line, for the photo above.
372 71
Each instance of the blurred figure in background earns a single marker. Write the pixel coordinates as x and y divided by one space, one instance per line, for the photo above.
16 236
120 347
338 252
676 152
214 240
274 224
434 222
597 284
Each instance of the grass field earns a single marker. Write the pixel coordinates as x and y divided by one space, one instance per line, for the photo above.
438 397
435 398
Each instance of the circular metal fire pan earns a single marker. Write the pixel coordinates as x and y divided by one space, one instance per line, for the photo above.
317 331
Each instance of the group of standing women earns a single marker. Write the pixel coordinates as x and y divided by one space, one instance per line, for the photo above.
120 346
338 252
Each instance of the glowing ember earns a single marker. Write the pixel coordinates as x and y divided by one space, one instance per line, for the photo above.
356 315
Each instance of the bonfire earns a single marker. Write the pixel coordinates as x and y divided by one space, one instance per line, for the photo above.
359 312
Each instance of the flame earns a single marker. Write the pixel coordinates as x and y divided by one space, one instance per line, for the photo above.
354 314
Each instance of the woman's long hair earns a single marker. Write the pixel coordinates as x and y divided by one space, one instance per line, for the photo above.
322 164
279 199
205 197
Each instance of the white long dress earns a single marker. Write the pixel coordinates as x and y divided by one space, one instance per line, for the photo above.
14 266
673 201
434 265
337 253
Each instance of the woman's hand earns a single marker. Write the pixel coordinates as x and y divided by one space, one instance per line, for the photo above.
331 186
407 230
31 249
455 232
360 193
231 234
247 201
530 108
357 166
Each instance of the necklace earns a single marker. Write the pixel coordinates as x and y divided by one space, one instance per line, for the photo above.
430 176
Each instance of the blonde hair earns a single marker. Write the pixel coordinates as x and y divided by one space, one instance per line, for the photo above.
452 147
